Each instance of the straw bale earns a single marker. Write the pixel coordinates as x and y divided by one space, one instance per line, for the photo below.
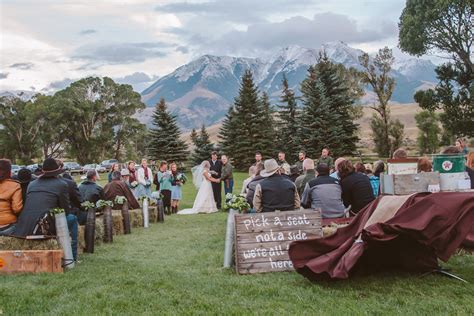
12 243
136 218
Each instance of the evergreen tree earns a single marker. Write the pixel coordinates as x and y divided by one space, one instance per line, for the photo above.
165 141
202 146
248 125
288 120
428 132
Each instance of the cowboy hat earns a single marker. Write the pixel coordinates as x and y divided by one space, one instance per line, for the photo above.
51 168
270 168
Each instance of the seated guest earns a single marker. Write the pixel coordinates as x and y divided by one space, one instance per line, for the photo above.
379 167
424 165
118 188
335 174
359 167
309 174
325 158
285 170
90 190
75 200
247 181
253 184
400 153
324 192
470 167
275 192
49 191
356 189
24 176
11 201
294 173
374 181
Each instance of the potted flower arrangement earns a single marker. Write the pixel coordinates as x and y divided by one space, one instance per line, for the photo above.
237 203
121 200
62 232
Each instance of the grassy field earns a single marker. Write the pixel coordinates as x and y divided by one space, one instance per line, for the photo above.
176 268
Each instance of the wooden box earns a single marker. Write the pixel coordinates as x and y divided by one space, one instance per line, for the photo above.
30 261
403 184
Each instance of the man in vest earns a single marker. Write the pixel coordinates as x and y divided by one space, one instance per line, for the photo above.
275 192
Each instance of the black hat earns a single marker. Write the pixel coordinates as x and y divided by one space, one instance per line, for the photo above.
25 175
51 168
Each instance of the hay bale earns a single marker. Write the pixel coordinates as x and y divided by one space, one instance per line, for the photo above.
12 243
153 211
99 235
117 222
136 218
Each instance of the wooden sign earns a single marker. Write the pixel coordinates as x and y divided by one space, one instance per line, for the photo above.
404 184
30 261
262 239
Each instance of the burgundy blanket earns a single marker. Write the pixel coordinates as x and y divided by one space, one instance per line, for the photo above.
426 227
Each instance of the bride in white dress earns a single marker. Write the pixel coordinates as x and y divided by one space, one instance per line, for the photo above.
204 202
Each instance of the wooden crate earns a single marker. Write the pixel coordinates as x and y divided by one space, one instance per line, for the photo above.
403 184
30 261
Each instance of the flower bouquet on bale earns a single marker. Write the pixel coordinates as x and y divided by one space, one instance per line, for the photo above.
64 239
134 184
236 202
89 232
108 224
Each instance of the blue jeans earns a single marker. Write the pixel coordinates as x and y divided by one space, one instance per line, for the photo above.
7 231
228 186
73 227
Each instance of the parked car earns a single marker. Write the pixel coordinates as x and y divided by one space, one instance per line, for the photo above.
15 169
93 166
32 167
73 167
107 164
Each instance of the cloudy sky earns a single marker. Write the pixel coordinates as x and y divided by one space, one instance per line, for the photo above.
47 44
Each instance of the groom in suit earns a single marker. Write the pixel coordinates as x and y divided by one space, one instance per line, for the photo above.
216 170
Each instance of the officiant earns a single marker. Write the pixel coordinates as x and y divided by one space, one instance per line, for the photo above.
216 171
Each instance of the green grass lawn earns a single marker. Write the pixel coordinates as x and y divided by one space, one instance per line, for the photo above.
176 268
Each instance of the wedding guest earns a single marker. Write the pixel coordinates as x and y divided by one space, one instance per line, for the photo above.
177 182
359 167
252 171
11 202
144 179
356 189
281 158
470 167
258 158
324 192
379 167
461 144
374 180
335 174
253 184
308 175
132 177
226 175
424 165
216 172
89 189
163 177
75 199
118 188
24 176
299 163
275 192
294 173
326 158
115 167
125 176
285 170
400 153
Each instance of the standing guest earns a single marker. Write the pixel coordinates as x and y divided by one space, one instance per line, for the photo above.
24 176
118 188
359 167
253 184
226 175
144 179
299 163
424 165
324 192
115 167
326 158
163 178
461 144
216 171
356 189
252 171
132 177
11 201
335 174
470 167
275 192
281 158
400 153
309 174
258 158
90 190
176 183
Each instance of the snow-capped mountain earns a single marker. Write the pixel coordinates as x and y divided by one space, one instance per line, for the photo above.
202 90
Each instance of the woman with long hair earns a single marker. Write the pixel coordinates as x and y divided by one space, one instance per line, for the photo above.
115 167
177 180
11 201
144 179
356 188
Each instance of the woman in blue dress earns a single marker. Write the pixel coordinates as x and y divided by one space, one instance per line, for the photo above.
177 180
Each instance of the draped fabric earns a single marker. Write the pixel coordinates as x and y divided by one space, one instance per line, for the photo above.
421 229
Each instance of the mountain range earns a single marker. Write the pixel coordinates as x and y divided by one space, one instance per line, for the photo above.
201 91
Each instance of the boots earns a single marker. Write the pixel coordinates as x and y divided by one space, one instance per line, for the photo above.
168 210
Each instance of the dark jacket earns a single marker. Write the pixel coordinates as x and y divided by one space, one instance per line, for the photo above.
43 195
91 191
217 167
276 193
251 189
302 180
324 192
470 172
120 188
356 191
75 197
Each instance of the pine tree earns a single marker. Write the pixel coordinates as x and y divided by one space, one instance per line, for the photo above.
202 146
288 119
247 125
165 141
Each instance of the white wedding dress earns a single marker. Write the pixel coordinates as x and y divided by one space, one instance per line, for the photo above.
204 202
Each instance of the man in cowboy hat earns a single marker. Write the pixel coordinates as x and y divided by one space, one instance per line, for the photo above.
275 192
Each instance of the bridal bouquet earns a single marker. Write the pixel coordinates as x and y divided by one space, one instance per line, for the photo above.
182 178
238 203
